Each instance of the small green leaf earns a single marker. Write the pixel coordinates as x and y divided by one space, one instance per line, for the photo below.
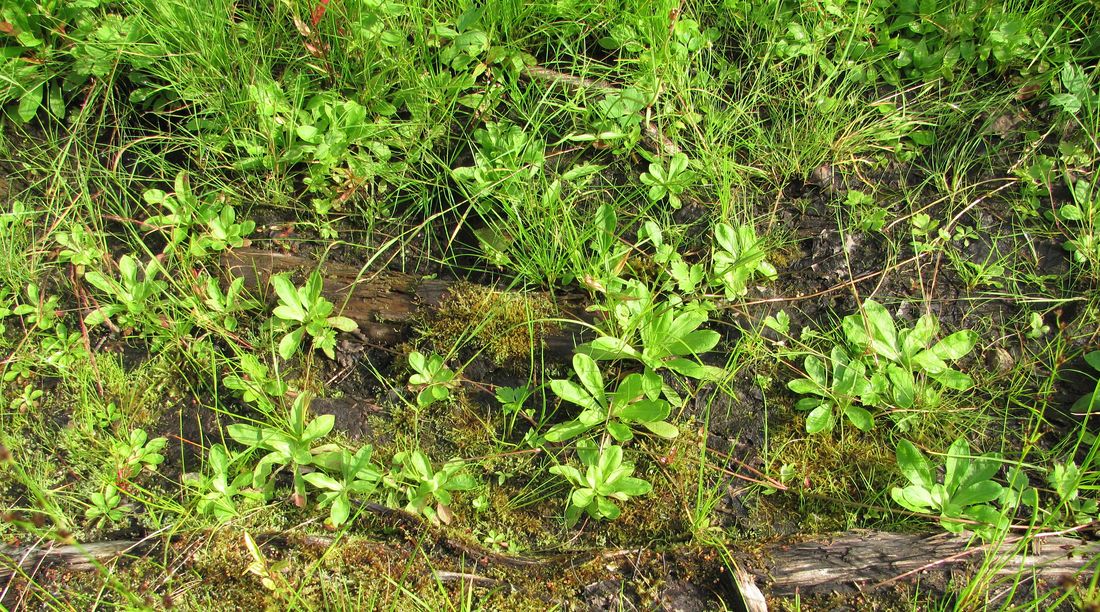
290 342
588 371
663 429
860 417
913 465
820 419
957 345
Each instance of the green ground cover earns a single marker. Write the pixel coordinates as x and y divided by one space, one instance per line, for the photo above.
714 275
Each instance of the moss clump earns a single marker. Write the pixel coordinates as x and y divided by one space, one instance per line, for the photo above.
507 325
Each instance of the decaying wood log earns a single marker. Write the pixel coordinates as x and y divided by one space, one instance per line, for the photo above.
847 562
865 560
384 304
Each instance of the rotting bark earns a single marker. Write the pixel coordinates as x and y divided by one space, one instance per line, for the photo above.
865 560
384 304
855 561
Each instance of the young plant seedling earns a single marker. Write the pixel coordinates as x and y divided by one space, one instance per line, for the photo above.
304 311
739 256
413 476
669 181
607 478
354 475
835 393
133 295
433 379
964 494
902 359
636 401
137 452
106 506
220 490
289 446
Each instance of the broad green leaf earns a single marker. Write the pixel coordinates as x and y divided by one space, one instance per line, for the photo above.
977 493
957 464
645 410
290 342
323 481
583 497
568 472
920 336
343 324
288 296
930 362
820 419
319 427
913 465
574 393
883 332
341 510
694 369
248 435
29 103
663 429
914 498
953 379
815 369
609 347
620 431
860 417
904 387
565 431
1093 359
607 508
957 345
588 372
805 386
695 343
634 486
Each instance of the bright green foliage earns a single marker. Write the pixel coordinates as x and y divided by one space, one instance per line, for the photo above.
254 383
304 311
106 506
39 310
635 402
881 365
291 445
905 356
432 377
221 489
837 392
220 309
965 493
739 256
1089 402
50 49
670 181
209 226
137 452
658 334
352 474
506 160
412 476
1065 479
80 248
606 479
134 294
1082 224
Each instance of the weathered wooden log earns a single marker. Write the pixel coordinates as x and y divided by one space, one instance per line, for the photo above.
865 560
852 561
